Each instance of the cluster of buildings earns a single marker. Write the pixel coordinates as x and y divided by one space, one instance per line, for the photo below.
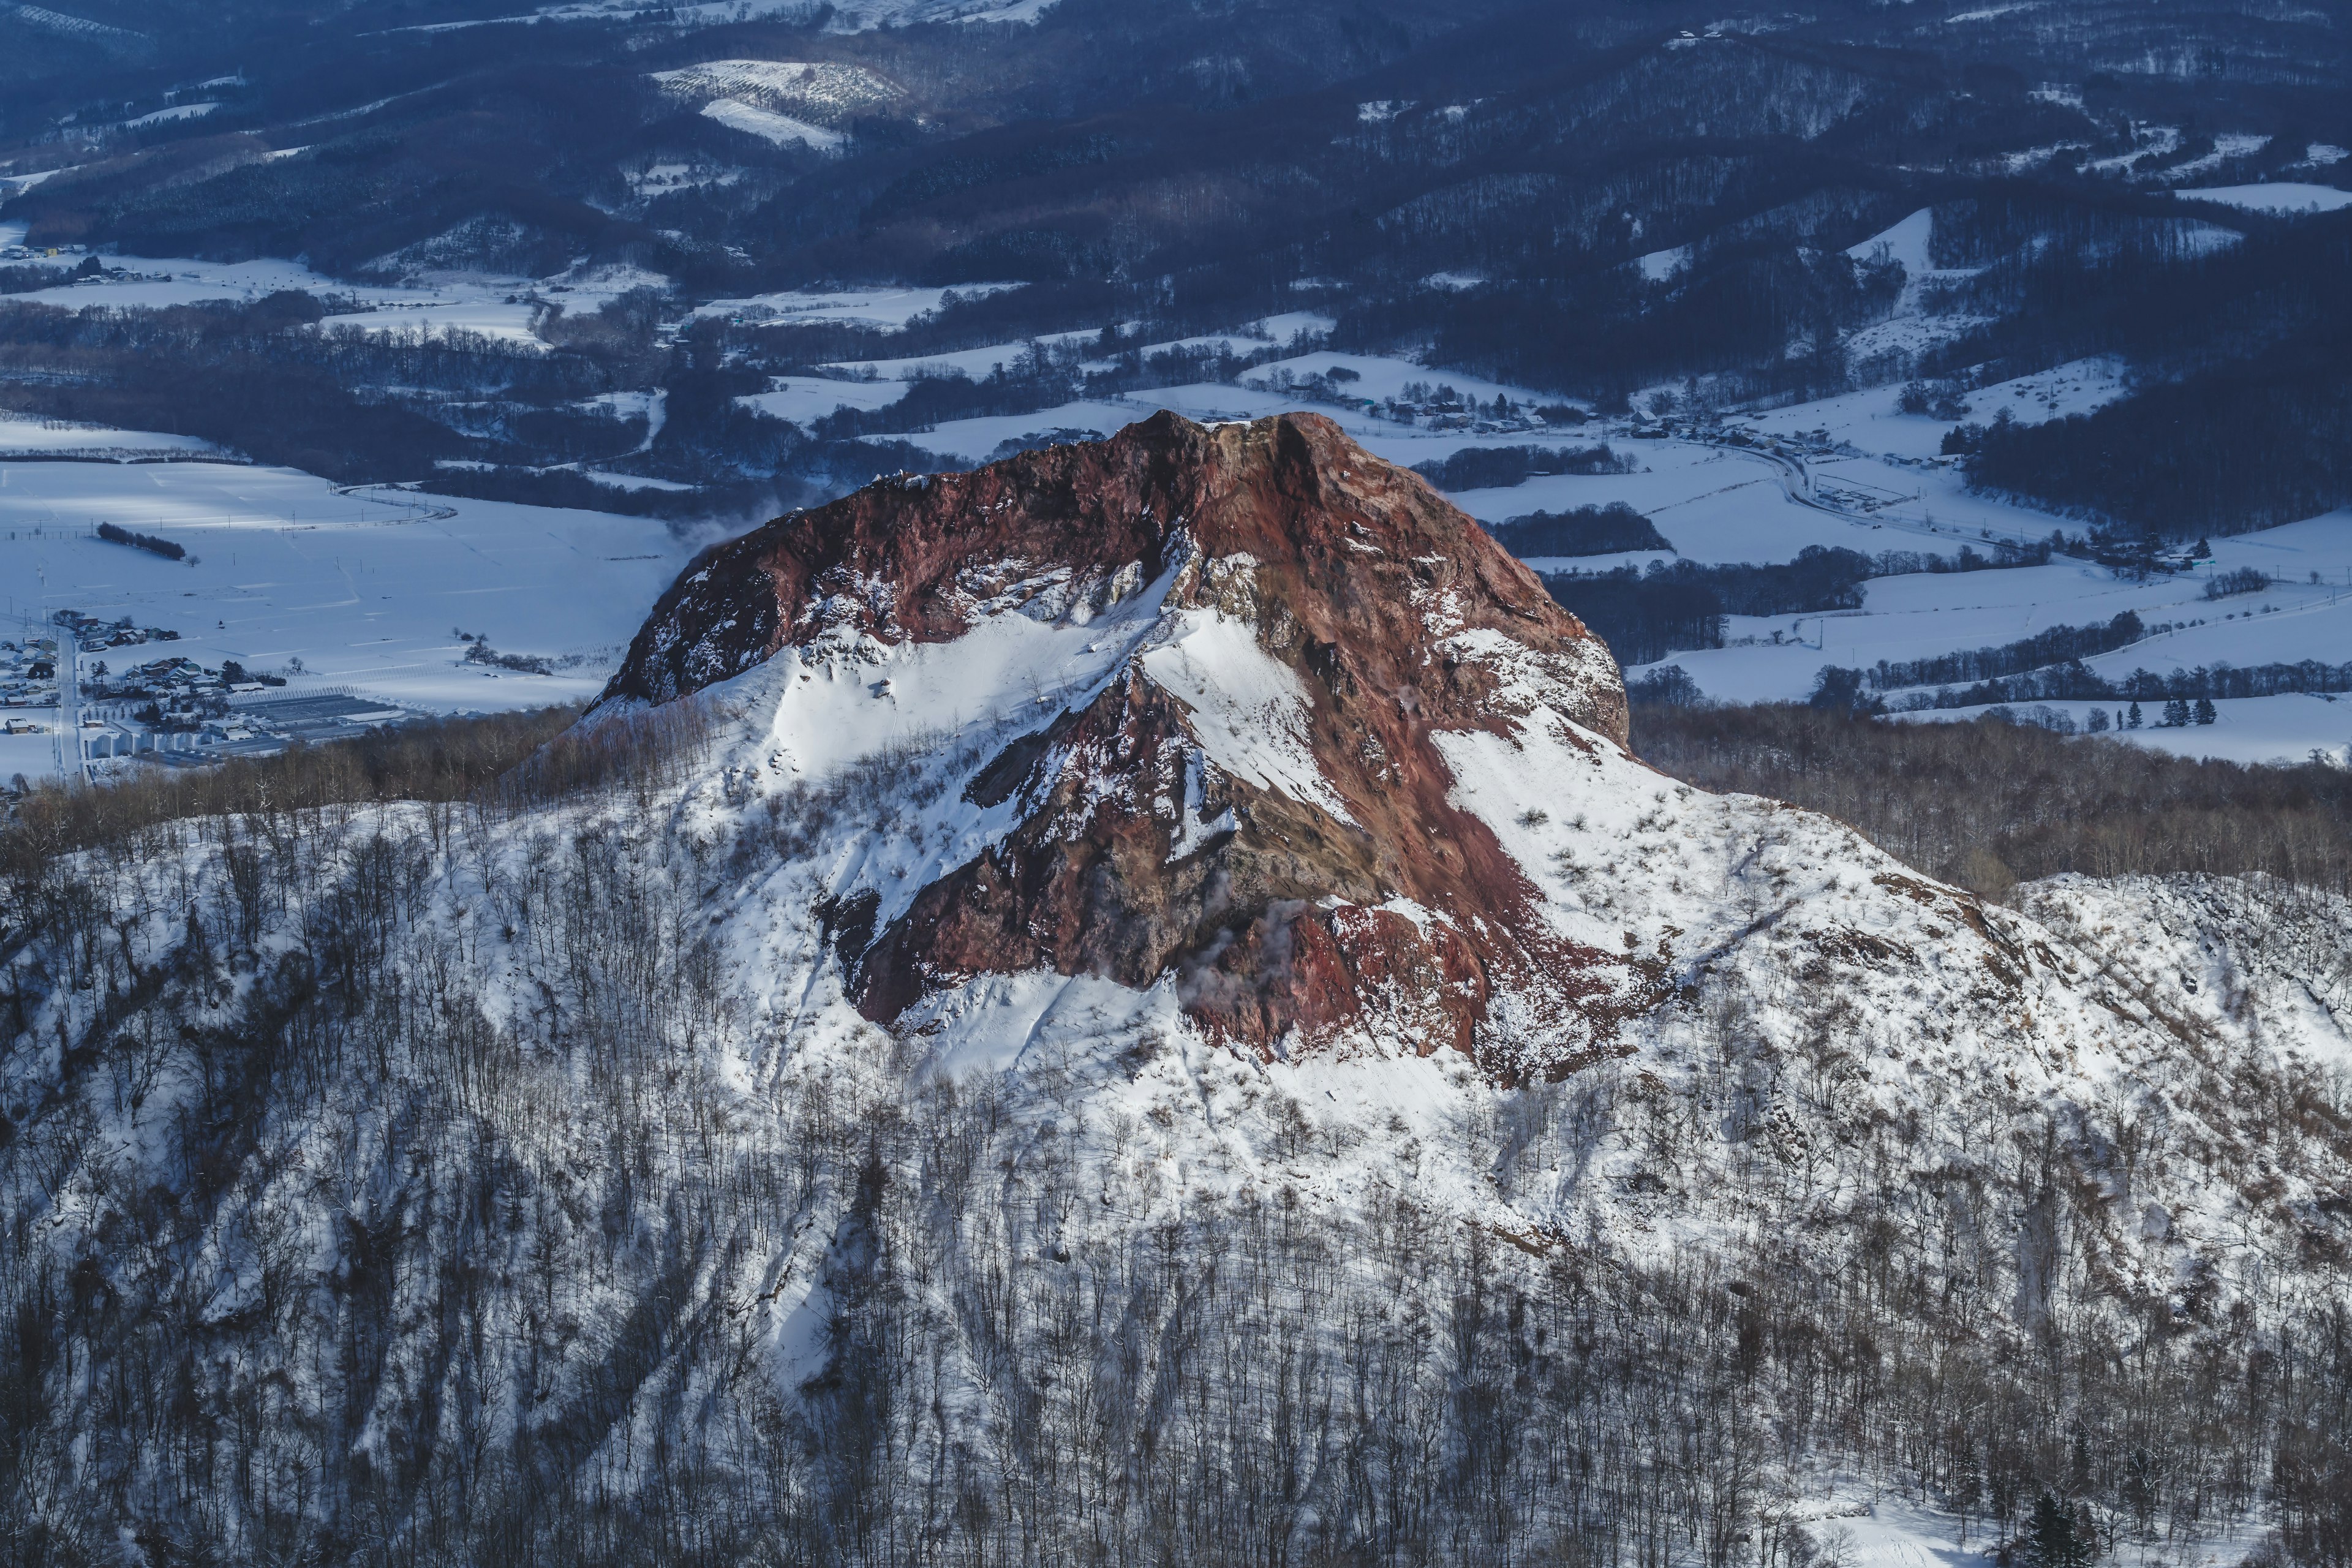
28 673
170 709
94 635
237 726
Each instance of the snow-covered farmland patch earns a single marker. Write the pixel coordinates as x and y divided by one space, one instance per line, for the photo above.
1659 265
2304 614
166 116
978 363
1910 329
2078 387
889 307
26 435
1250 337
31 752
1291 329
432 302
633 481
150 283
1872 419
964 442
367 588
1711 504
2288 623
779 129
802 398
1905 244
506 319
2230 144
849 17
2283 198
865 15
1378 377
690 15
2029 158
823 92
664 177
2286 729
439 302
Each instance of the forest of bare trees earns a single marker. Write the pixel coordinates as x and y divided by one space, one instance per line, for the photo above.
402 1276
2036 803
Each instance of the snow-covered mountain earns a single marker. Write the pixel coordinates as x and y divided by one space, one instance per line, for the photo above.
1138 994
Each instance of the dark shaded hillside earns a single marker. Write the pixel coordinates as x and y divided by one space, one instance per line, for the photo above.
2236 448
1470 185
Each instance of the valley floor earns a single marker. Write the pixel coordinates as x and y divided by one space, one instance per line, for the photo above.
367 588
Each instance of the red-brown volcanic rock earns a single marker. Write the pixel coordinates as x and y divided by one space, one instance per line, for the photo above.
1359 577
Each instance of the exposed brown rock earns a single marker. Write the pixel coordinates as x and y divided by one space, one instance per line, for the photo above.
1293 491
1360 578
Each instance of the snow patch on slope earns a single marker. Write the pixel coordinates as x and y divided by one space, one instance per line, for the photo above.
2283 196
1249 711
781 130
823 90
1905 244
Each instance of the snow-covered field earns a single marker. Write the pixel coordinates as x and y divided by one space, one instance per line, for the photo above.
822 90
1872 420
33 756
1249 337
780 101
977 364
2285 196
802 398
367 589
777 130
496 307
2286 729
25 435
888 307
1909 327
852 17
1919 615
153 283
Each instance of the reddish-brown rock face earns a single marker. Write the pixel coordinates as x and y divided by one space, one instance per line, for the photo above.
1372 589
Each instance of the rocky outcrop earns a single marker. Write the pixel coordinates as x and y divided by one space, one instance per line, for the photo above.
1363 543
1355 897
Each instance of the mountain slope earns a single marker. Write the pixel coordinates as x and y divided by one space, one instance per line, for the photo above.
1136 996
1260 640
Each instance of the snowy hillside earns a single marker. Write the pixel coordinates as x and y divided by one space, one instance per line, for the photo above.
824 91
1134 963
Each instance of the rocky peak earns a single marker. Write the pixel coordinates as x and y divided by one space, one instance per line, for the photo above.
1353 550
1249 799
